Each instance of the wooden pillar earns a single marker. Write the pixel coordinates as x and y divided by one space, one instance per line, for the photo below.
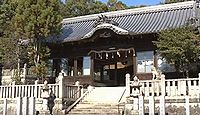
92 67
75 67
116 80
134 63
155 60
61 85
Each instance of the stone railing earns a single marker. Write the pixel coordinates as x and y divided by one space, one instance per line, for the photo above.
165 87
59 89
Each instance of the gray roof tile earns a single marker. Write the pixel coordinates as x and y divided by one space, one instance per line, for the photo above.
137 21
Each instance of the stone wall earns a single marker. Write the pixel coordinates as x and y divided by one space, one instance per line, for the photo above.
172 107
12 106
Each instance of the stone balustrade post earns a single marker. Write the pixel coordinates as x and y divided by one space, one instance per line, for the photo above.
45 95
151 105
36 89
25 71
61 85
32 106
78 89
5 111
163 88
19 106
187 105
141 105
13 89
25 106
12 72
89 88
162 105
82 92
127 85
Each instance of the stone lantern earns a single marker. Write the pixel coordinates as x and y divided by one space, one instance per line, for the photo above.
45 96
135 87
135 93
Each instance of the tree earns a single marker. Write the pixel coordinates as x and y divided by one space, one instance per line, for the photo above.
140 6
74 8
33 21
180 47
8 44
114 5
37 20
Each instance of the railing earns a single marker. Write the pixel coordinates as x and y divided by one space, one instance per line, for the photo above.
166 87
182 87
72 92
59 89
89 89
162 106
151 87
119 102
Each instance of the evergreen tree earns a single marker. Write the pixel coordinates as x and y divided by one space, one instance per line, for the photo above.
8 49
114 5
74 8
33 21
180 47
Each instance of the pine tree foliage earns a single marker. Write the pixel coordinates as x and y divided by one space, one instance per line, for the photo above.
180 47
114 5
8 43
32 21
74 8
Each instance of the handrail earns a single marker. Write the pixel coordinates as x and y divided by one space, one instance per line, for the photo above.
76 102
77 92
74 95
120 100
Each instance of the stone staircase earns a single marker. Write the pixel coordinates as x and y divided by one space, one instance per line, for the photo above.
101 101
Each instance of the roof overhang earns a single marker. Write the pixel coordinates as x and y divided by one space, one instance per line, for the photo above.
116 29
138 21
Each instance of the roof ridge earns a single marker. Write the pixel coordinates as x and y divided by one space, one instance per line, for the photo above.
148 9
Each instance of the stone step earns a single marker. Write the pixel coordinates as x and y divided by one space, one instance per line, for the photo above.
92 114
94 110
105 94
97 106
101 101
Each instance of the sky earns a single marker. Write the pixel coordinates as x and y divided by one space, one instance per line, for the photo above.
138 2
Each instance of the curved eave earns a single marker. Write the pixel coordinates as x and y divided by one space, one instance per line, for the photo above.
131 22
114 28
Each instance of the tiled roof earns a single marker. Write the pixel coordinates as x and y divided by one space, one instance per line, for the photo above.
132 21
